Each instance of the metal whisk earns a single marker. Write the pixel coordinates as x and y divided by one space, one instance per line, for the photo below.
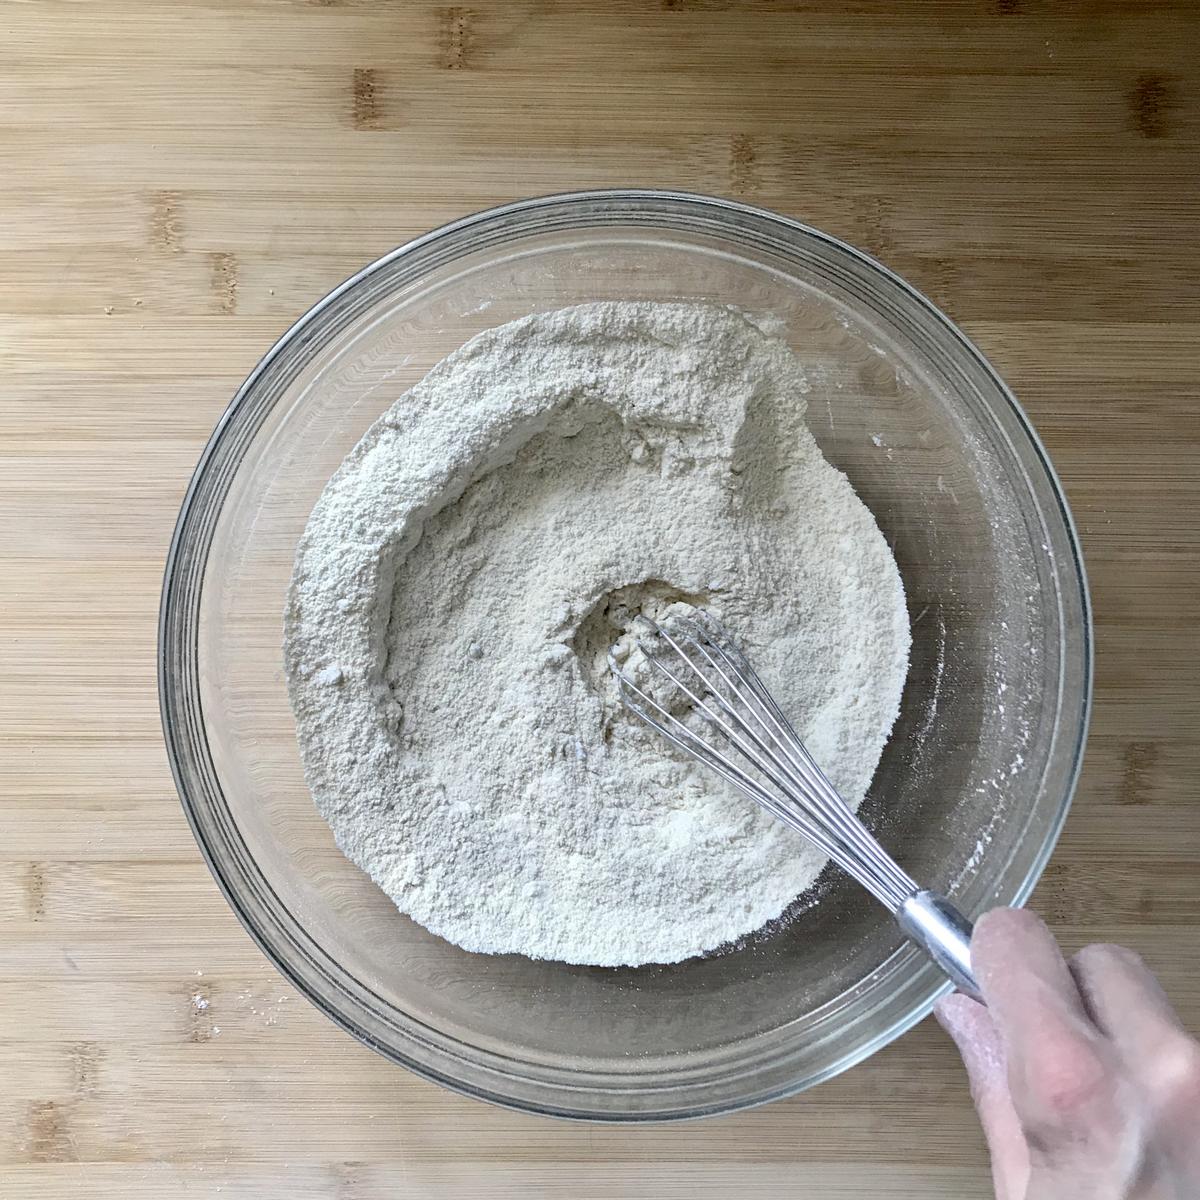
755 748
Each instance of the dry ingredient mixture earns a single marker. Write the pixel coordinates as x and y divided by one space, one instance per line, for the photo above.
464 573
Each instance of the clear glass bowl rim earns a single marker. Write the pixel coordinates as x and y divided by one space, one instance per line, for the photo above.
180 709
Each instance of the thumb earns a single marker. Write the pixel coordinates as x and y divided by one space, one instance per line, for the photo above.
973 1032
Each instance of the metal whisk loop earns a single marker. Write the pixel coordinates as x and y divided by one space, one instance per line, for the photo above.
804 773
770 764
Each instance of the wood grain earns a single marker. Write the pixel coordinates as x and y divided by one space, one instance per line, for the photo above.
178 180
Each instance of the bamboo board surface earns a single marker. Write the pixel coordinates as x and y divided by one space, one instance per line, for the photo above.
179 180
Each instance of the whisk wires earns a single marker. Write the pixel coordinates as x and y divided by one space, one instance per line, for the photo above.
752 745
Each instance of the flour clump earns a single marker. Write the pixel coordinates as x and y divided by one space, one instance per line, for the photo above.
460 582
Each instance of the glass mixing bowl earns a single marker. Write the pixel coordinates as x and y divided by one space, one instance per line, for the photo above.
973 786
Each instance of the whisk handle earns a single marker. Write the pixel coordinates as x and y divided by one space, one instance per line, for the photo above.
943 933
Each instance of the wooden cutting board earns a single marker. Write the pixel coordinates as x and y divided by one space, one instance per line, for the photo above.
179 178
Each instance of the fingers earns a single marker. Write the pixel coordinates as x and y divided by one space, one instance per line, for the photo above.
1061 1072
1128 1005
1020 968
974 1033
1104 1083
1125 1000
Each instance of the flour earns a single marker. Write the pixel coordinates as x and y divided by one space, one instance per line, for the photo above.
464 573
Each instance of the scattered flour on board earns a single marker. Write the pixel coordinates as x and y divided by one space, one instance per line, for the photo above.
464 573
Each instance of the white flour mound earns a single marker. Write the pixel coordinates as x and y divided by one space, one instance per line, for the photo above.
464 573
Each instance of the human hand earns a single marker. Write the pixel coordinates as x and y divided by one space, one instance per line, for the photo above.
1086 1084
